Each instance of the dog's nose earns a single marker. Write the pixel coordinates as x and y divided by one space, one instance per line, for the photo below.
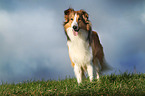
75 27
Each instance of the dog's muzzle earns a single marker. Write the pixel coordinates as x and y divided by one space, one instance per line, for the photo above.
75 28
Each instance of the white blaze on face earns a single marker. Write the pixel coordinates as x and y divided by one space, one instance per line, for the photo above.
74 23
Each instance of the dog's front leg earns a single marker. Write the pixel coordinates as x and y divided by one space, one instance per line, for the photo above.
78 73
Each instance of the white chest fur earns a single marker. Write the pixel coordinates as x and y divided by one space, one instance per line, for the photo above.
79 49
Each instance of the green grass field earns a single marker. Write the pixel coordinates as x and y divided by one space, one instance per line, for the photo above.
108 85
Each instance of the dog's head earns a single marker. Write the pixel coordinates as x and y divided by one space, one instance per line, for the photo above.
76 20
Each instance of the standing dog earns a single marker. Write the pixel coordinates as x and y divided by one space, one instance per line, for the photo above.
85 50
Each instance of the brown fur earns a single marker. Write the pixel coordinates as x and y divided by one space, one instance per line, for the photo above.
97 49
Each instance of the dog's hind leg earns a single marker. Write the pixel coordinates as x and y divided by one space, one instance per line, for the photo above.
96 68
90 71
83 74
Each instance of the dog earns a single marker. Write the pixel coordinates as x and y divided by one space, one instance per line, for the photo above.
85 50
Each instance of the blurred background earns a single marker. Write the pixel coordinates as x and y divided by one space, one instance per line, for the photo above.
33 43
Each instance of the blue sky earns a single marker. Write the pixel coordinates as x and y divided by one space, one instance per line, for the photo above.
33 43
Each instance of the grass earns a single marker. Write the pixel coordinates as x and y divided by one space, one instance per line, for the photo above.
108 85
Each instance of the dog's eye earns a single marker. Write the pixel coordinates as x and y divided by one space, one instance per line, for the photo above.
71 19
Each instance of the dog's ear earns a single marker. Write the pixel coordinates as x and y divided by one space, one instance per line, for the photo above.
66 14
85 15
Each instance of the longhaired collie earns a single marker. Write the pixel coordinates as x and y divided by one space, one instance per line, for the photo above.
85 50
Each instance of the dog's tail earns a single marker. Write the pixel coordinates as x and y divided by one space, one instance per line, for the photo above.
105 66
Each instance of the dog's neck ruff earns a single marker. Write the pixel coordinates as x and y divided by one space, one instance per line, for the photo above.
79 49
